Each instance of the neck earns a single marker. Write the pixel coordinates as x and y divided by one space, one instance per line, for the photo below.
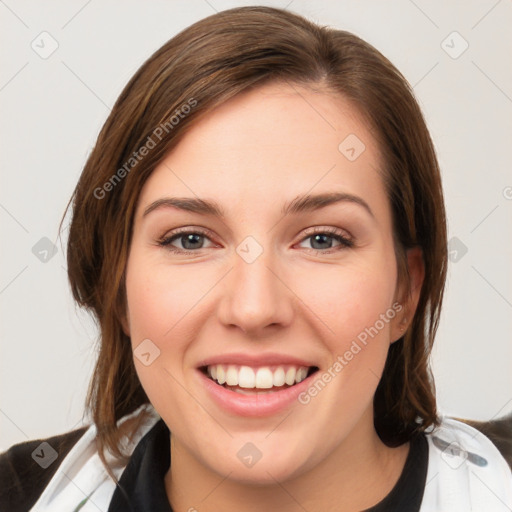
358 474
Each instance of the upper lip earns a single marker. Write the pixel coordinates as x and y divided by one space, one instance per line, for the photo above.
255 360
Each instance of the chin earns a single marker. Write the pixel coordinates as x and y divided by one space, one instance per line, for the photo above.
263 473
263 466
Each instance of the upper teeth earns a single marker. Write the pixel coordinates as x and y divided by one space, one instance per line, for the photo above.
264 377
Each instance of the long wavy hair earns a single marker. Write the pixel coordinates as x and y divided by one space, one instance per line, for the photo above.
202 67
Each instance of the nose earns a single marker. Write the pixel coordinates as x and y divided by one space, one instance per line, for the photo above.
255 296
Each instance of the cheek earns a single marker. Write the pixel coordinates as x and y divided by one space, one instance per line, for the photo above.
157 303
356 307
160 298
162 303
350 299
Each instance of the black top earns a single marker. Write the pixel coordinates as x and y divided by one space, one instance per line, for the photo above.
407 494
141 487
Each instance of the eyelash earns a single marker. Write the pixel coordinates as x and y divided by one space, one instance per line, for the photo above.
344 241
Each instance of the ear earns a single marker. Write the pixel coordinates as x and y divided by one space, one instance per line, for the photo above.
409 292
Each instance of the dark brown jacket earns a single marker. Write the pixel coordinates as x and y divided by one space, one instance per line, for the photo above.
22 479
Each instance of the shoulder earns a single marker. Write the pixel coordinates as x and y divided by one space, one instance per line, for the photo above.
466 471
499 431
30 487
26 468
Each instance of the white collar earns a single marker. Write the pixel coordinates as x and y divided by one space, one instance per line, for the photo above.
455 483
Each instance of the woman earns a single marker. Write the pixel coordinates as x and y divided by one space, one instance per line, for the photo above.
260 233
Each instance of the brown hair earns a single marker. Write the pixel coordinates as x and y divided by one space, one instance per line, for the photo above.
213 60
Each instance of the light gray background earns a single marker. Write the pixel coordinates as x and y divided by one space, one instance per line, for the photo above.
52 111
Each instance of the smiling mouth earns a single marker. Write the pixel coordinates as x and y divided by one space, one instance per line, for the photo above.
248 380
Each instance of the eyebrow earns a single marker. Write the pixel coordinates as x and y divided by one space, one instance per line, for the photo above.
302 203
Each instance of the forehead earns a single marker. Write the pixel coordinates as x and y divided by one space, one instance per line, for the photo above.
272 143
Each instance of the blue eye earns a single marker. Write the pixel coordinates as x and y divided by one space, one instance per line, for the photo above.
322 240
190 241
193 240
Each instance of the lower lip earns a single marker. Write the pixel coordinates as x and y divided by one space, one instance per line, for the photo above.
254 405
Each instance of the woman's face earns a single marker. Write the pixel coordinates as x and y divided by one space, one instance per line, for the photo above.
279 282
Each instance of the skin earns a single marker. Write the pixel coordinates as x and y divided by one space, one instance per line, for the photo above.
252 155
